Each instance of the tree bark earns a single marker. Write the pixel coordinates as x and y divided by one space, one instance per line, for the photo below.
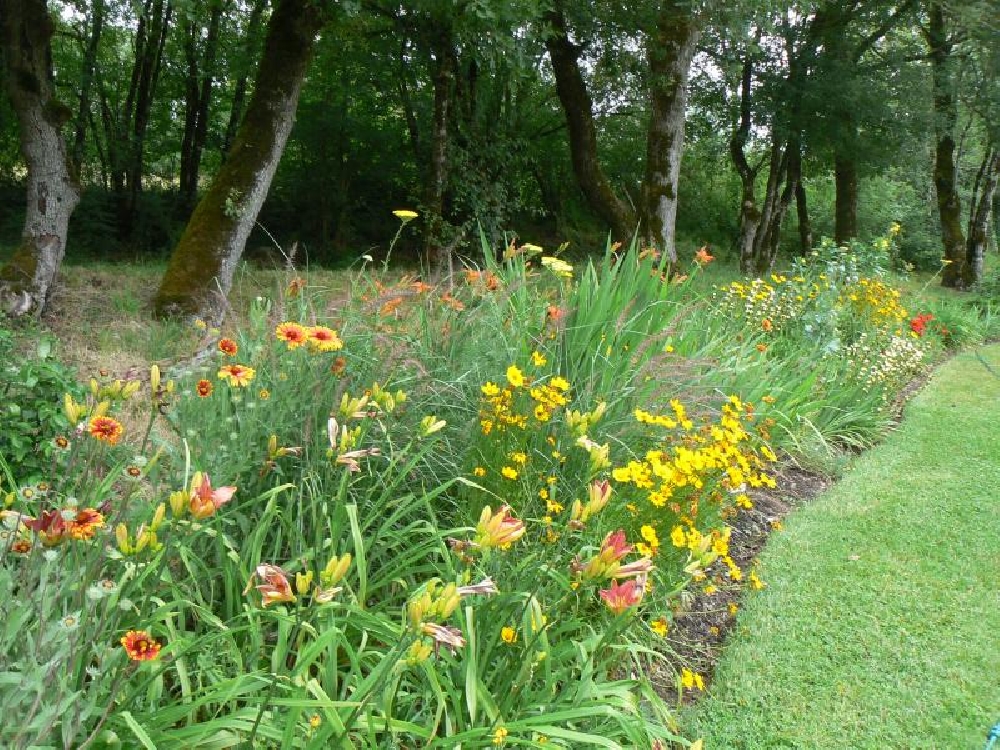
26 280
86 82
198 97
750 215
669 51
979 218
201 268
444 67
579 110
239 94
846 209
802 213
945 170
149 57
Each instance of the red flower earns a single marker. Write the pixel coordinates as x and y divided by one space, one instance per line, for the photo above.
919 324
204 388
618 598
228 347
51 528
140 645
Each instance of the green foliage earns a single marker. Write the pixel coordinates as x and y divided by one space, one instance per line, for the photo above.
290 523
862 550
32 382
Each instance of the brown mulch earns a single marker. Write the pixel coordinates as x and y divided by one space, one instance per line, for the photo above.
702 623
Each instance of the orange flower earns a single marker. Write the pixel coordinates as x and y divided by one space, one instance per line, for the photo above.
295 286
338 366
86 522
618 598
454 304
767 325
324 339
21 546
420 287
292 334
106 429
228 347
140 645
237 375
275 587
204 500
390 307
702 257
51 528
204 388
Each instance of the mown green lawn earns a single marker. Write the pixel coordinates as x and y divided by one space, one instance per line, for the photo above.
880 626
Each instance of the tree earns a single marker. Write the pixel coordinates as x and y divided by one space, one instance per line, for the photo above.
201 268
579 110
26 31
940 45
670 47
197 96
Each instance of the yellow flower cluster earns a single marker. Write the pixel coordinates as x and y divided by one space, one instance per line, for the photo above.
874 301
767 305
500 411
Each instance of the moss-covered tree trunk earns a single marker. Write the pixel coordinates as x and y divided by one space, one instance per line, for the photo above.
945 169
26 32
579 110
669 50
201 268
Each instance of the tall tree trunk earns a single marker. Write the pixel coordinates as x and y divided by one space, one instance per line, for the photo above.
444 67
86 82
198 97
845 169
945 170
579 111
26 32
201 268
802 213
750 215
149 57
979 216
240 92
669 51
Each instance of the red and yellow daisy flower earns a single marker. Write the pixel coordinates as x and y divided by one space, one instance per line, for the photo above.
106 429
237 375
204 387
228 347
324 339
86 522
292 334
21 546
140 645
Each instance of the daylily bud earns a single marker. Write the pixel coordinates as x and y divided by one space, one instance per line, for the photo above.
179 502
161 511
130 389
154 378
303 581
121 535
335 570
